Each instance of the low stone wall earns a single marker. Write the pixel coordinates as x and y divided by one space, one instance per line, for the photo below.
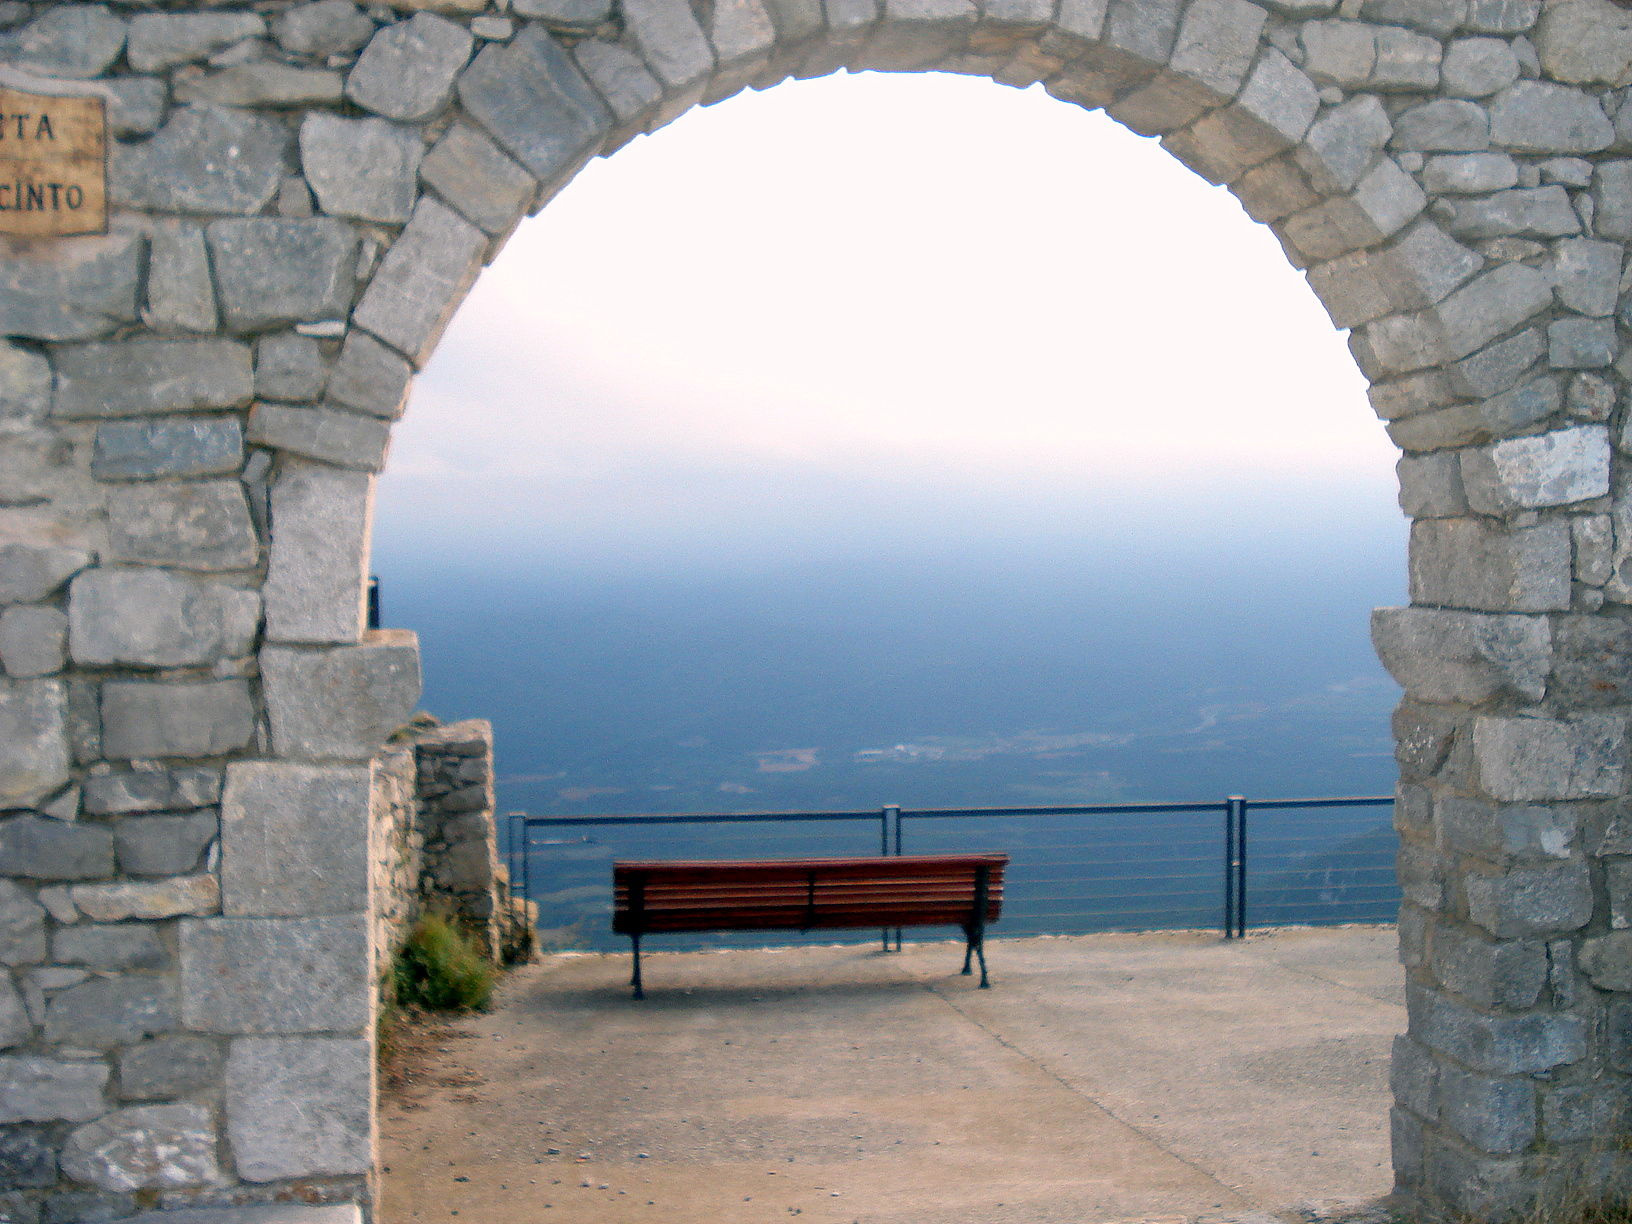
435 841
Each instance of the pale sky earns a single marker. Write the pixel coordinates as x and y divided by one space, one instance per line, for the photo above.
880 306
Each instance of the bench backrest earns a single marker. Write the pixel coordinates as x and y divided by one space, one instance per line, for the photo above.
804 894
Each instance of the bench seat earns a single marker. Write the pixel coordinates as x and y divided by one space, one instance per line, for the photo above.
657 897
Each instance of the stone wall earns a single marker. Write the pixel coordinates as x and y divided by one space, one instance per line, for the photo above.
192 407
435 841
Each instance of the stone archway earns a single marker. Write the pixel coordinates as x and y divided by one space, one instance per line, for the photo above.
192 407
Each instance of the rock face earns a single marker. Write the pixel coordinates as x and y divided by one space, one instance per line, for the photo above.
202 848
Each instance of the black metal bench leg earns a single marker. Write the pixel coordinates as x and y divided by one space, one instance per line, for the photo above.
635 979
968 949
980 951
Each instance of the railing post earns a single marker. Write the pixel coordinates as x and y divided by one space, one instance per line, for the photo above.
1240 866
526 863
886 814
1229 868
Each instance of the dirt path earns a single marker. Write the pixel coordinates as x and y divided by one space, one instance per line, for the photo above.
836 1085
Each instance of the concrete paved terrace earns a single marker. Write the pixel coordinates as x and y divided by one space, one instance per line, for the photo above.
1114 1077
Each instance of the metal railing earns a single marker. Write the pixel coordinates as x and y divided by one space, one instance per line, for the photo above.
1076 868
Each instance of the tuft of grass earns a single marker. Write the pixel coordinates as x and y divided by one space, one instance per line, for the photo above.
439 969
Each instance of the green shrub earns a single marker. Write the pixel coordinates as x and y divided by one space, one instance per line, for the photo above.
440 969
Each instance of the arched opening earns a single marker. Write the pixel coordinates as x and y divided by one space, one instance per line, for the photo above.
1172 496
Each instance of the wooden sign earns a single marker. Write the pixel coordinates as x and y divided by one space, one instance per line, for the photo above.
53 164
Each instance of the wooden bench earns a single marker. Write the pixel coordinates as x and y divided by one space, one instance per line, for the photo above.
963 890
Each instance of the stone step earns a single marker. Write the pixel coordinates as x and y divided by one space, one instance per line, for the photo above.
273 1213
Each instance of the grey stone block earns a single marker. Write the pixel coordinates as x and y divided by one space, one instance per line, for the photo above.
147 721
152 790
1585 44
145 1146
154 618
1444 125
1495 1115
77 41
186 446
319 556
16 1026
1587 275
1489 974
1592 538
22 927
180 293
34 1089
1491 305
1469 173
369 377
263 85
1581 1113
1612 199
149 900
39 848
532 100
1582 344
1551 758
1478 67
206 159
1497 368
471 173
422 279
136 105
1438 655
33 640
300 1107
1528 901
340 702
362 168
27 1161
669 39
168 1067
1542 117
270 271
1406 61
1496 417
322 29
1607 960
78 288
1501 16
1558 468
289 366
158 41
1341 53
25 395
276 975
1541 212
408 69
111 1011
344 439
294 840
1588 662
621 78
143 377
1345 143
1505 834
203 525
1386 200
34 749
163 845
1498 1045
1469 563
119 945
29 573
